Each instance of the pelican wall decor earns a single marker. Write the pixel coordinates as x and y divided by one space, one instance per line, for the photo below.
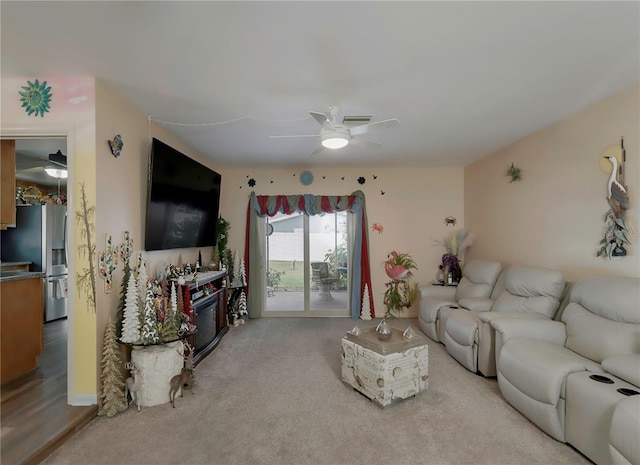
616 233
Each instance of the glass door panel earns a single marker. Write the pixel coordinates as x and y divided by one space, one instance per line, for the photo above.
285 263
328 263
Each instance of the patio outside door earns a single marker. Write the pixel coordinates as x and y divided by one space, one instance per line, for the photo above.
307 269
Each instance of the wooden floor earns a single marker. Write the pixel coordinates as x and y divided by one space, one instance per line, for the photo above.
34 414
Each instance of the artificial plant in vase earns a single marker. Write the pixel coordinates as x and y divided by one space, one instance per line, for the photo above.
400 292
454 244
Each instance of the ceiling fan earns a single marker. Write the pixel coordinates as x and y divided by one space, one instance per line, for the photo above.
28 166
334 135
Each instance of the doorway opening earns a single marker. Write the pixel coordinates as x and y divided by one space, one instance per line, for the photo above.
307 265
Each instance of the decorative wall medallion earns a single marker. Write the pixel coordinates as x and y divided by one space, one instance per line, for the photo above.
36 97
116 145
306 178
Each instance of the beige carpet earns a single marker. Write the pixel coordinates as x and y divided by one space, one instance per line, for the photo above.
271 393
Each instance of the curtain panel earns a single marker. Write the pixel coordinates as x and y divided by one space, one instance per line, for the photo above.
269 205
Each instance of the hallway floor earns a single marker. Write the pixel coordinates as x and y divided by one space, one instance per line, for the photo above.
34 414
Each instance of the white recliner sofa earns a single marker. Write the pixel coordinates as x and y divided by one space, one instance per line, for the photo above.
474 291
546 368
530 293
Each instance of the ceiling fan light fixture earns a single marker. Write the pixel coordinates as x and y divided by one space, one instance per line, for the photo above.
57 173
334 140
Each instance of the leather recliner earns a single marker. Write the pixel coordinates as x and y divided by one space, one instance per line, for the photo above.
474 290
598 331
530 293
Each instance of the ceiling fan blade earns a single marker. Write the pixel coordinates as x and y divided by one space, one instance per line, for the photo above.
364 142
291 137
318 150
322 119
363 128
319 117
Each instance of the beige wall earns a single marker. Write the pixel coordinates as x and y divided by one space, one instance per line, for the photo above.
122 192
71 114
412 210
553 217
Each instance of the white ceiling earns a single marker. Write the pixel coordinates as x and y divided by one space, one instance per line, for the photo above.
463 78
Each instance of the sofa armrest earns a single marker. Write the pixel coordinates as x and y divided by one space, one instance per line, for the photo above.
545 330
480 304
440 292
625 367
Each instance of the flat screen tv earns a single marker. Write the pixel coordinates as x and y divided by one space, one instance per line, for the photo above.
183 201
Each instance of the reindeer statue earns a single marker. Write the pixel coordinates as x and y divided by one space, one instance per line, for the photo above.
132 385
186 377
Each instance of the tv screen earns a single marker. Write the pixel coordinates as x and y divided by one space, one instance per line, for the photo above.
183 201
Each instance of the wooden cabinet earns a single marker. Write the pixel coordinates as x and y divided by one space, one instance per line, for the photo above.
7 183
21 321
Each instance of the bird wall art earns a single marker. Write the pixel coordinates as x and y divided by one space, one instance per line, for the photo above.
616 233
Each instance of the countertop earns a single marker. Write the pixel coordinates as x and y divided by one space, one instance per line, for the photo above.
8 264
17 275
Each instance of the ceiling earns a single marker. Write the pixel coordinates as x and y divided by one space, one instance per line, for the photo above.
463 78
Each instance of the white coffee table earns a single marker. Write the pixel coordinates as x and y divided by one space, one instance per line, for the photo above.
387 371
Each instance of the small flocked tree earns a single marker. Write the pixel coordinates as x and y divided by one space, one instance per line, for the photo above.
243 273
242 305
131 322
149 332
112 395
123 295
143 279
365 314
228 262
170 326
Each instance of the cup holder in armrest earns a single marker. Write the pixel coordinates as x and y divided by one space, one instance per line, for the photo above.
627 392
601 379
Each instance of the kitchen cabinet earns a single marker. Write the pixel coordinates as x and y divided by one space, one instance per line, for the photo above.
21 313
7 183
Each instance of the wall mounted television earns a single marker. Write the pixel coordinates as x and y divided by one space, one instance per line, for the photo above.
183 201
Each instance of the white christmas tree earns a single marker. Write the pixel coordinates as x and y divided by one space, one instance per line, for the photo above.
143 277
131 321
149 332
243 273
365 314
237 279
242 305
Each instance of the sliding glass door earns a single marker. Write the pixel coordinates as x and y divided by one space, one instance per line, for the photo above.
306 269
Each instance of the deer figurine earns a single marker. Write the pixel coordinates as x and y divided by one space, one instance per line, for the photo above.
185 378
132 385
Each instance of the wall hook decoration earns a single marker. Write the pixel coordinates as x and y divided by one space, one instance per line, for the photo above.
450 220
116 145
107 264
514 173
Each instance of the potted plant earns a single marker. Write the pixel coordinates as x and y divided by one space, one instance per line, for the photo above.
400 292
454 244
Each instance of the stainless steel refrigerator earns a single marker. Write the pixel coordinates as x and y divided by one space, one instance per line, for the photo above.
40 237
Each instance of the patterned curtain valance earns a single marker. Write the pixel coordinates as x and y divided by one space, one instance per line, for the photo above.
271 205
